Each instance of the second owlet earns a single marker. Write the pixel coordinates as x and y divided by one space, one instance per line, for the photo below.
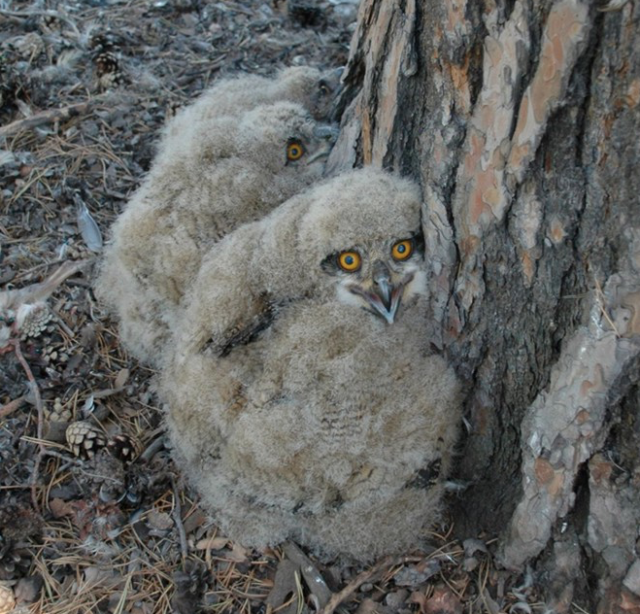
304 401
218 166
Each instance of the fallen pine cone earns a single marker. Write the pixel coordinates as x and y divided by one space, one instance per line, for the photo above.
84 439
14 561
7 600
125 448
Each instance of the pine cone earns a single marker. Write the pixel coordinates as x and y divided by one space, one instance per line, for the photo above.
108 70
106 63
125 448
306 13
32 319
7 600
14 561
84 439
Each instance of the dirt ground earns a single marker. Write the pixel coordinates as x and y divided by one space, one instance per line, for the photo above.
93 515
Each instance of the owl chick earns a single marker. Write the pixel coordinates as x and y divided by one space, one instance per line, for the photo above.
304 401
220 173
314 89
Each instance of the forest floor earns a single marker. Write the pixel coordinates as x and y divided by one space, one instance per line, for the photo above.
93 515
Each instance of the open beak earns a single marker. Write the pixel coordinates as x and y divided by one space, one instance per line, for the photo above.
384 298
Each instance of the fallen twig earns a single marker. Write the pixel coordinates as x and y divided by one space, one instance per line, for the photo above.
45 117
366 576
12 406
38 399
12 299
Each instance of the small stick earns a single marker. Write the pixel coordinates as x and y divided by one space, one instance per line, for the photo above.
40 408
68 461
12 299
11 406
62 324
45 117
365 576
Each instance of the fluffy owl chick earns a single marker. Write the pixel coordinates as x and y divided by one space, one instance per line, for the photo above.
222 173
304 401
314 89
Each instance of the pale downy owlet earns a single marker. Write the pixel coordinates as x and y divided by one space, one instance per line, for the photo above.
221 173
304 400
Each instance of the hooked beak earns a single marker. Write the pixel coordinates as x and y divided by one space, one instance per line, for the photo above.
328 134
385 297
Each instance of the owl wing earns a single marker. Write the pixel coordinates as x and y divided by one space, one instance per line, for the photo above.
246 332
242 282
225 298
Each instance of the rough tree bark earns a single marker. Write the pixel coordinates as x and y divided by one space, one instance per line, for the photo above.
521 121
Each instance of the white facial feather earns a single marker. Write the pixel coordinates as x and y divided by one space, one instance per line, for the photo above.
346 296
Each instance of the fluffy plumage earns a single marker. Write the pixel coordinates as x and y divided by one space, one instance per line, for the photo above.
314 89
304 401
212 174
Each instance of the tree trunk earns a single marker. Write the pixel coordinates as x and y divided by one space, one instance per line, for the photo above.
521 122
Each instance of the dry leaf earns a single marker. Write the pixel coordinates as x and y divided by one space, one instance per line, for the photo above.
310 573
284 584
194 521
368 606
161 521
471 546
238 554
27 589
121 378
60 508
212 543
88 228
412 575
443 601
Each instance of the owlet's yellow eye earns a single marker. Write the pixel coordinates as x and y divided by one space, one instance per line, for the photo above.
402 249
295 151
349 261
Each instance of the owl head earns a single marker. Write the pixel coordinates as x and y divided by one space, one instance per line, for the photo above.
283 136
315 90
249 163
365 233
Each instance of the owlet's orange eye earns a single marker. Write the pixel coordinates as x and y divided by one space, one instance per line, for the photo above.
349 261
295 151
402 249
